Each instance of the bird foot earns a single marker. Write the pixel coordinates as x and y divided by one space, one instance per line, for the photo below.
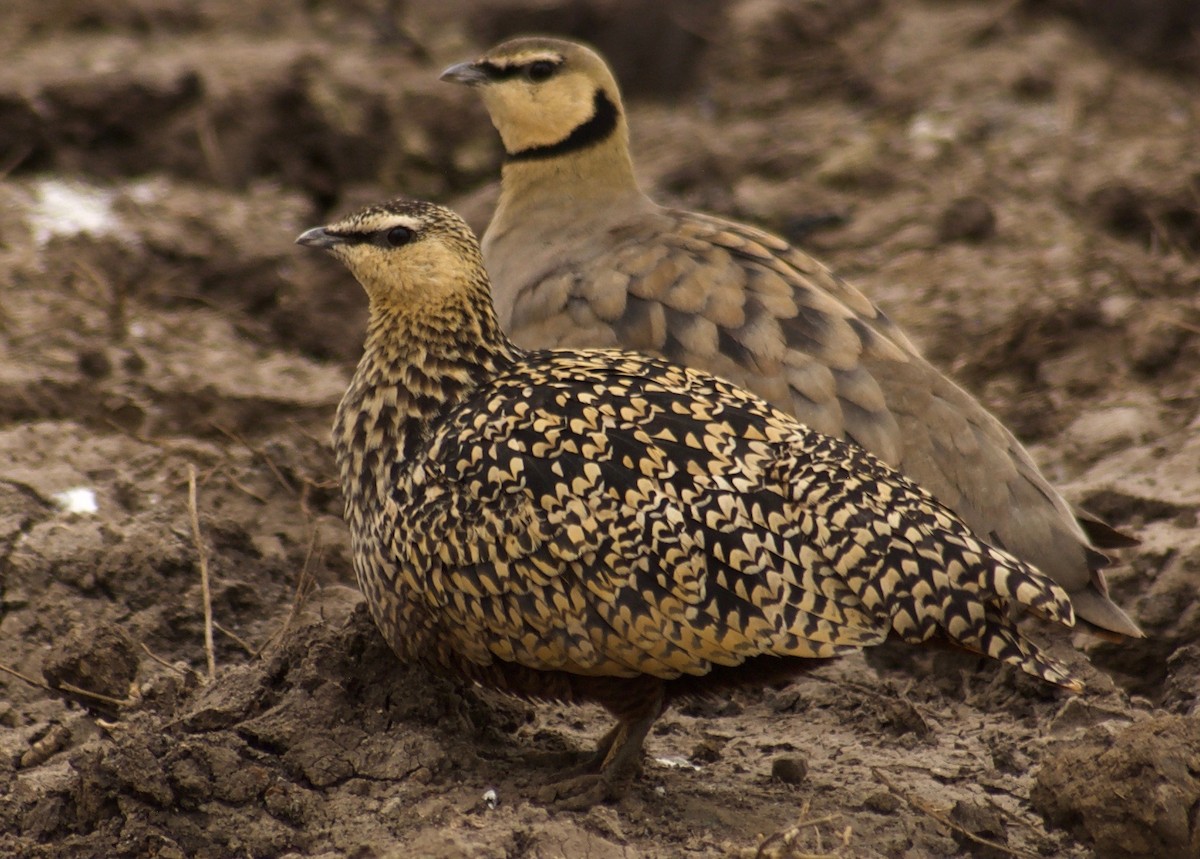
606 774
581 792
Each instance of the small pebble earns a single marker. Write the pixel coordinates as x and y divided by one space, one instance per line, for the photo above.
1120 210
790 770
707 751
133 363
675 762
98 658
969 219
1034 83
979 820
882 801
94 364
1153 342
79 499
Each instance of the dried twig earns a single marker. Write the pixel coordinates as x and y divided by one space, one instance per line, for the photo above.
133 434
32 681
168 665
303 585
211 150
270 463
96 696
787 837
1179 323
929 811
235 638
209 652
68 687
15 159
111 290
1013 817
237 484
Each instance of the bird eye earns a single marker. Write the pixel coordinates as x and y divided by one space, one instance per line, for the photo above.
539 70
398 236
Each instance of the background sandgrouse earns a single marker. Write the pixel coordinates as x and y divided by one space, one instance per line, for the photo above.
581 257
600 525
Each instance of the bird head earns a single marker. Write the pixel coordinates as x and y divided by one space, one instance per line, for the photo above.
545 96
407 254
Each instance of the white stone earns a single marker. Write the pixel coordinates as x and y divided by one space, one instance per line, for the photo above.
79 499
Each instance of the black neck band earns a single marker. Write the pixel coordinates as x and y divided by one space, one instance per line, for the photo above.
601 124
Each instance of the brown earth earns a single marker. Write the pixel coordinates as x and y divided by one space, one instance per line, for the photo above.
1017 183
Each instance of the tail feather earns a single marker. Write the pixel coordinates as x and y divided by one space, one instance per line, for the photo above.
1000 581
1003 641
917 567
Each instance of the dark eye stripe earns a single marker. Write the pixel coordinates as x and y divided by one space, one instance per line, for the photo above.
498 72
383 238
352 238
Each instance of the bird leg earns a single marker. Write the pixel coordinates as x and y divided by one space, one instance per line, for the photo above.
607 774
575 761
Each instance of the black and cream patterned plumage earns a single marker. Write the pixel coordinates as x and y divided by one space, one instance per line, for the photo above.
599 525
580 257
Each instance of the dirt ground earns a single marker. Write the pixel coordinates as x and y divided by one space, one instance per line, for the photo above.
1017 183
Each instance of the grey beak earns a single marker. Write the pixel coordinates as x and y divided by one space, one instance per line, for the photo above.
317 237
465 73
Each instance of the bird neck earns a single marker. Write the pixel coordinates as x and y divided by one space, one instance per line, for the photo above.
597 175
414 369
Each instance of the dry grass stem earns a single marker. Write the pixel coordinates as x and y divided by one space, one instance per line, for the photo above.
785 839
40 684
304 583
96 696
193 511
68 687
933 813
235 638
168 665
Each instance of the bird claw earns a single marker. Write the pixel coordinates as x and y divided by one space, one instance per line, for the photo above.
581 792
591 782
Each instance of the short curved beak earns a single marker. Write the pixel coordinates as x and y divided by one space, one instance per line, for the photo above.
318 237
464 73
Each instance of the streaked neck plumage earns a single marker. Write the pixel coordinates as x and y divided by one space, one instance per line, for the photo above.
414 368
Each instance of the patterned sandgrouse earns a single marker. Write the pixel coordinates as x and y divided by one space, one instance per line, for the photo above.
600 525
581 257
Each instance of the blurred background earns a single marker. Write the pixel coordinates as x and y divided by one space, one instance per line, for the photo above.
1017 183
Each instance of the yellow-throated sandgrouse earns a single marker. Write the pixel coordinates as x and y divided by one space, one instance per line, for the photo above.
580 257
600 525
